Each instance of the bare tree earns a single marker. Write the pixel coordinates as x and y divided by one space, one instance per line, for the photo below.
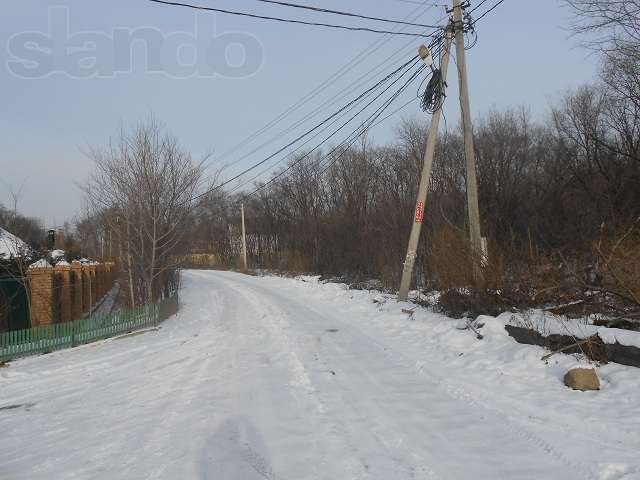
142 188
608 25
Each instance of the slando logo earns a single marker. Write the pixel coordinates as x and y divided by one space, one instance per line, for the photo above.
94 54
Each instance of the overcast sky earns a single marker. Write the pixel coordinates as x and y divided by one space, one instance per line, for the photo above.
231 76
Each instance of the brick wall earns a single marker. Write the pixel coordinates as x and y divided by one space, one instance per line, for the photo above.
67 292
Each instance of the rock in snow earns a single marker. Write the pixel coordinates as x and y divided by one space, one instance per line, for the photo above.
582 379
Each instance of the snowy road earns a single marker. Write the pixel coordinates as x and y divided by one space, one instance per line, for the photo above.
268 378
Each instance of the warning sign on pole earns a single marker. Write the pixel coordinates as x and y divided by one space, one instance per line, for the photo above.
419 212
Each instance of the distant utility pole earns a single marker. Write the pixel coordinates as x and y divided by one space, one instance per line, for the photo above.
414 239
469 150
244 240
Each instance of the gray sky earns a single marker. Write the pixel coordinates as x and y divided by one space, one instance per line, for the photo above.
236 75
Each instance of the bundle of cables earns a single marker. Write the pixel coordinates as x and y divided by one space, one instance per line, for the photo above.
433 97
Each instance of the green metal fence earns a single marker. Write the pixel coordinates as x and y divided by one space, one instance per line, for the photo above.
37 340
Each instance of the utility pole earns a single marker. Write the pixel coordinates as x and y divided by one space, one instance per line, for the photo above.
469 150
416 229
244 240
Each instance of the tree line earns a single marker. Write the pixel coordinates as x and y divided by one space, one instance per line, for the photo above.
559 197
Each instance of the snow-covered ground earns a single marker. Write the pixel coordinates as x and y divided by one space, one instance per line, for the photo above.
108 303
264 377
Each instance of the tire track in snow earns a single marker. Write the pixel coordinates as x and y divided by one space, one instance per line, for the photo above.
460 393
276 320
453 391
260 320
353 402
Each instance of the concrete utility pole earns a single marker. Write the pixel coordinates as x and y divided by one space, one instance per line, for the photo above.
416 229
469 150
244 240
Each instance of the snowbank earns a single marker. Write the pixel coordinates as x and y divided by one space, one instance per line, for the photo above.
547 324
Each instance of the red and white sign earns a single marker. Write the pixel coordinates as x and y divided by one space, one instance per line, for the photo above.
419 212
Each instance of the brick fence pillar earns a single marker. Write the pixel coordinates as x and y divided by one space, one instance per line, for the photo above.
76 290
41 290
86 288
62 272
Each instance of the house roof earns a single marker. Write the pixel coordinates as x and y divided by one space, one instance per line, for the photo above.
11 246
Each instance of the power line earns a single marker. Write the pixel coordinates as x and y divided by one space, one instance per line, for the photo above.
397 110
418 2
315 136
436 49
343 93
339 96
341 72
352 118
488 11
284 20
369 124
297 149
478 6
479 18
363 127
350 140
326 120
346 14
355 133
373 119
